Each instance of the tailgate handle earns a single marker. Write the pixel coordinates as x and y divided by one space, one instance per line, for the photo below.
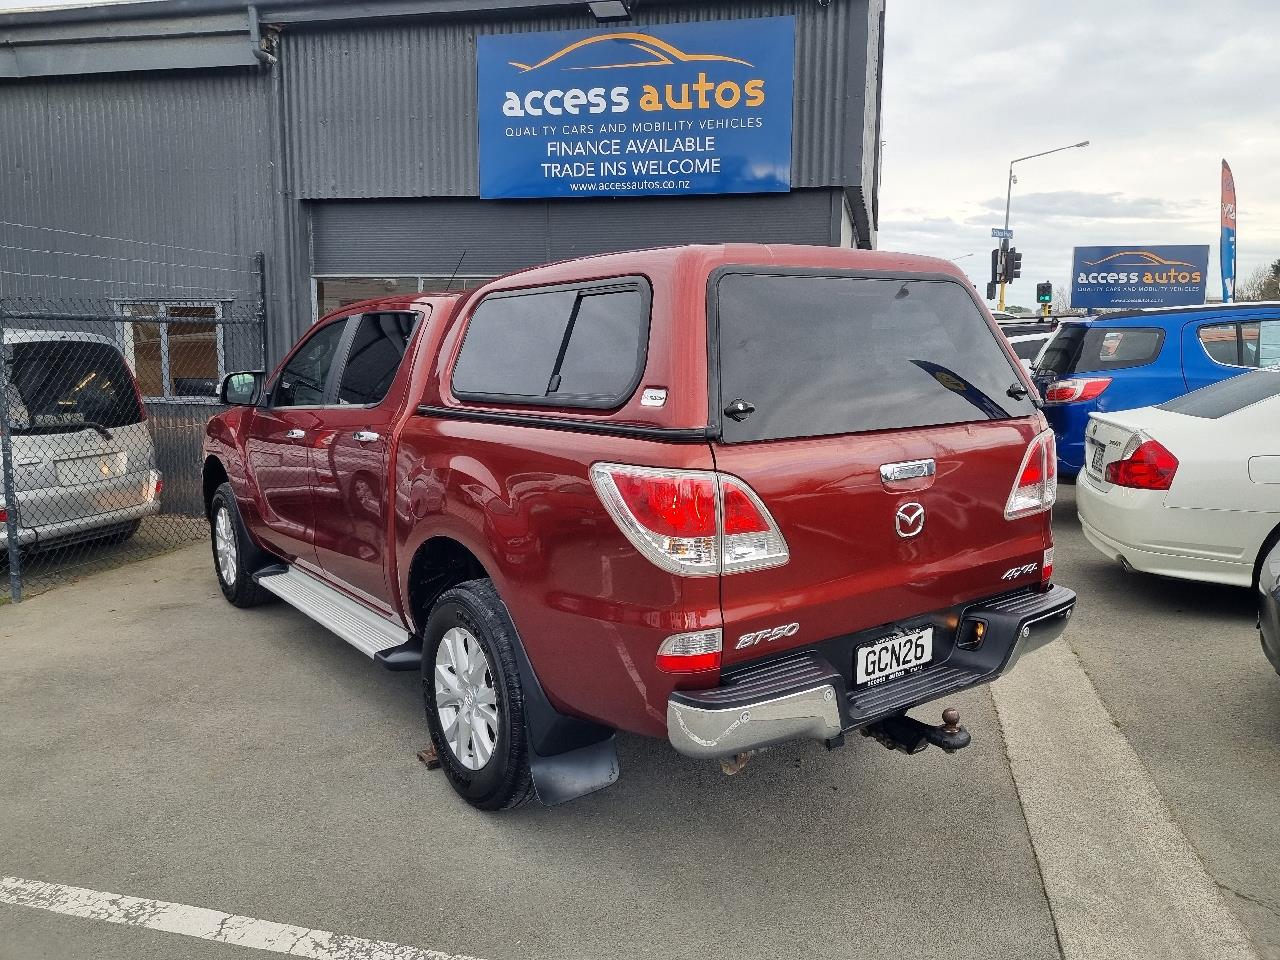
739 410
907 470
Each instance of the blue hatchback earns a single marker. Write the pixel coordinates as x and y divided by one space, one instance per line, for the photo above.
1136 359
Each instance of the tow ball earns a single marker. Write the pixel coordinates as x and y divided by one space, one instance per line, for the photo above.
901 732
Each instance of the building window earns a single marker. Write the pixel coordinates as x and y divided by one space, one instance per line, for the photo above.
174 348
331 293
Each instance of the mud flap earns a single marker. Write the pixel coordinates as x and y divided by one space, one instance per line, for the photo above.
575 773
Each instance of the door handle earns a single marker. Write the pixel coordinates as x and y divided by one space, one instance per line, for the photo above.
295 434
366 436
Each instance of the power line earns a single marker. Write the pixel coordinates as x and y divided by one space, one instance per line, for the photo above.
102 256
129 283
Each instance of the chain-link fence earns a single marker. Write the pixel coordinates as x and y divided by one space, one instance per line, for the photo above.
103 407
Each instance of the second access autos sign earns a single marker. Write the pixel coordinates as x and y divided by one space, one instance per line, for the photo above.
677 109
1109 277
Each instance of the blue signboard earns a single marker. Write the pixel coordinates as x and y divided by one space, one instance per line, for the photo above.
1166 276
674 109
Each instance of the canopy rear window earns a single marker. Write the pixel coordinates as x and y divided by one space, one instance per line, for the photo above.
1227 396
822 355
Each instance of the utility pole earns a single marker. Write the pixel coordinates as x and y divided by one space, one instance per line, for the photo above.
1008 197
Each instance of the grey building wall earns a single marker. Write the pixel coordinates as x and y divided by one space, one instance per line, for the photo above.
390 111
432 236
135 185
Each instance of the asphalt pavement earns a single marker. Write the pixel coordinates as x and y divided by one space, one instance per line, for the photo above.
157 743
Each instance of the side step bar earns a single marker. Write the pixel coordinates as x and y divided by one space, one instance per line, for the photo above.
367 631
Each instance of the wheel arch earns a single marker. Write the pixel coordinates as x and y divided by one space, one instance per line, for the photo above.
1268 543
214 475
440 562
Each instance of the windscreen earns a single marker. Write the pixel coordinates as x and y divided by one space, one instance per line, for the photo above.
817 356
1079 349
1227 396
61 386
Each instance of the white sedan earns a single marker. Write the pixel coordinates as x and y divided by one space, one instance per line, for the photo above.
1190 488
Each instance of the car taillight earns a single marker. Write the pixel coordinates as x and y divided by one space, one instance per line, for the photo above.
690 652
1080 388
1036 485
1046 568
690 522
1148 466
4 515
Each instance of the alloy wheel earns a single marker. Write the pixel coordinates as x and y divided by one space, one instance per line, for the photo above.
466 698
224 545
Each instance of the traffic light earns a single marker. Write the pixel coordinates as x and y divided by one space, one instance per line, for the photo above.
1012 265
1044 293
997 268
991 290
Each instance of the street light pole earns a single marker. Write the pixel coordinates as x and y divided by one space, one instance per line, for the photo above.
1008 197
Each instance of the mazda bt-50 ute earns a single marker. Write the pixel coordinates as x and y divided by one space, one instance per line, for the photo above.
728 495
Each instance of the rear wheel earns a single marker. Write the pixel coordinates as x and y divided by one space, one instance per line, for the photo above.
473 697
235 558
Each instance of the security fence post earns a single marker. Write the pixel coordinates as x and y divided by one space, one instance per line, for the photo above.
6 468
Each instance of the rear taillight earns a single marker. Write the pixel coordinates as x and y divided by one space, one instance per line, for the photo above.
1147 466
691 522
4 515
1036 485
1080 388
690 652
1046 568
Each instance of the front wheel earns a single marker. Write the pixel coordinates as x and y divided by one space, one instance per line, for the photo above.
473 697
235 558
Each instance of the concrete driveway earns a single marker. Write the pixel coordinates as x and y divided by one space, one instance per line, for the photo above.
157 743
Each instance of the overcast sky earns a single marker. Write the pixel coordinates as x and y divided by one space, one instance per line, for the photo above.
1164 89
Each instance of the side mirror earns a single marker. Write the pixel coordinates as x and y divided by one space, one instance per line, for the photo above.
241 389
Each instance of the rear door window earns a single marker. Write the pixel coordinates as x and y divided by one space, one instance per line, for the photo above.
1227 396
1080 349
822 355
1251 343
573 347
66 385
377 350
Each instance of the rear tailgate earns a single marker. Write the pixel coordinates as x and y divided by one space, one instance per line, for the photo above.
848 377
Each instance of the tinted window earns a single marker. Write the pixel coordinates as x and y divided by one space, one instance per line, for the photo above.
377 348
602 358
1026 348
302 384
1084 349
1227 396
566 347
827 355
1221 343
1059 357
61 385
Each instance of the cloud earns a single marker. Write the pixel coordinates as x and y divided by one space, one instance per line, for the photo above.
1093 205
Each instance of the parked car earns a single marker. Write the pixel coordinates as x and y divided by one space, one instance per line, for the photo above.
1269 615
84 465
520 491
1027 346
1127 360
1189 488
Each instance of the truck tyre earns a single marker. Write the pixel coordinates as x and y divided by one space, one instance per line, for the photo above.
474 701
235 557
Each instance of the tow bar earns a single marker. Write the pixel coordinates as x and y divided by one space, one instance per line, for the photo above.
901 732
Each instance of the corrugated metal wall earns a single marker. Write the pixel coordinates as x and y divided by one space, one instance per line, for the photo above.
429 236
390 111
135 186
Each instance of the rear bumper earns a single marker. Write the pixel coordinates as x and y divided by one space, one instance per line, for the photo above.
53 529
804 696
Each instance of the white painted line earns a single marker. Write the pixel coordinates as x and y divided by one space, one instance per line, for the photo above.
205 924
1122 878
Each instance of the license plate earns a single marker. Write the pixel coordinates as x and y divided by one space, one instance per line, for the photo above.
86 470
1095 464
893 656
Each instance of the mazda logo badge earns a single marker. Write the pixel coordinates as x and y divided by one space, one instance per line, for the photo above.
909 520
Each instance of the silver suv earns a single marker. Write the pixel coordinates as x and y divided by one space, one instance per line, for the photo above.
84 464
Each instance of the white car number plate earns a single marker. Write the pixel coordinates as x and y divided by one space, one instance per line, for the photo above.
1095 464
893 656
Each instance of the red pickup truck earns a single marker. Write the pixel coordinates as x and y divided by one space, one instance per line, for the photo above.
729 495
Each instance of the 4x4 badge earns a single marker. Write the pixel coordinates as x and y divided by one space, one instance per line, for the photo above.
909 520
